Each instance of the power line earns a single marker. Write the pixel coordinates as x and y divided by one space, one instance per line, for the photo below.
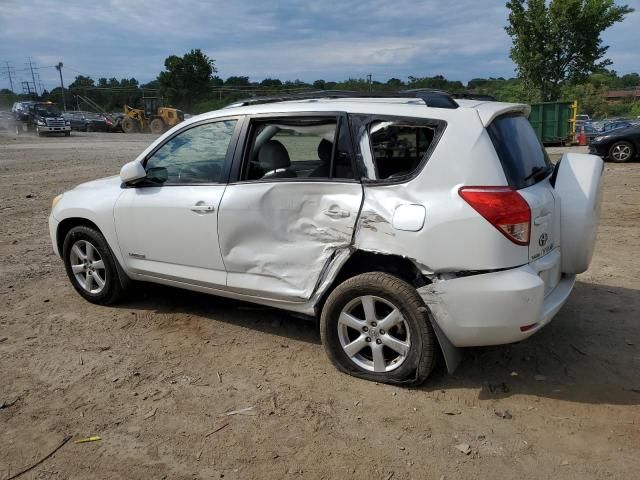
33 75
10 71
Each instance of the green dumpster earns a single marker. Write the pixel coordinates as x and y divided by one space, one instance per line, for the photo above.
554 122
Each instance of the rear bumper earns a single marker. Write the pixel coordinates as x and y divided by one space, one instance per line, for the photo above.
489 309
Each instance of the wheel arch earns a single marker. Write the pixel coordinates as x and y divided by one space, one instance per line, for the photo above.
364 261
65 226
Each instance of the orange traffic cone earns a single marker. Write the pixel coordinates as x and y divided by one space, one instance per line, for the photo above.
582 137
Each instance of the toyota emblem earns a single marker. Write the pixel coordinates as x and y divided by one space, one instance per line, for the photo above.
542 241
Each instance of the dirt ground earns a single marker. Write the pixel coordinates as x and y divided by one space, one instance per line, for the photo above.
154 377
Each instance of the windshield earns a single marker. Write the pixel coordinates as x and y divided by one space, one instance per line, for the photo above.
524 159
47 111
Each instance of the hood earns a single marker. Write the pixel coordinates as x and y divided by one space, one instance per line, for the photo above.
107 182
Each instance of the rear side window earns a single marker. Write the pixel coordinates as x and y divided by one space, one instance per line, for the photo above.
397 148
524 159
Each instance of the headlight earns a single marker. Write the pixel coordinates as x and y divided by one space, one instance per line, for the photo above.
40 122
599 139
67 123
56 200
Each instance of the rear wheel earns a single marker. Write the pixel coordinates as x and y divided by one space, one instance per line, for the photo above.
157 126
375 326
91 267
621 151
129 125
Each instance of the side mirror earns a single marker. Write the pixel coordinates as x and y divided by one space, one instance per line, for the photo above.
132 171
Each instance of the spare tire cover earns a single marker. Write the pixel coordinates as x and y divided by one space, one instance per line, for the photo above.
579 185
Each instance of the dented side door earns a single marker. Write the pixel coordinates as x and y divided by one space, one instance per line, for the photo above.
278 237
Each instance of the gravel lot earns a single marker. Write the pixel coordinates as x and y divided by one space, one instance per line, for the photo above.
155 376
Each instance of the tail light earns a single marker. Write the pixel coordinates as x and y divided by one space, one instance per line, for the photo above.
502 207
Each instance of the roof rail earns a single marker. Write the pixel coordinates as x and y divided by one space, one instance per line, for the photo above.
431 97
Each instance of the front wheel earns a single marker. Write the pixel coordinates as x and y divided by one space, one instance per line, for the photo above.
91 266
621 152
376 326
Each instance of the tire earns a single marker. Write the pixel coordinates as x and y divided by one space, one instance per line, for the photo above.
413 330
622 151
111 291
67 134
129 125
157 126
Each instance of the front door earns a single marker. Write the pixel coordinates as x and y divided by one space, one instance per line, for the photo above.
167 226
293 206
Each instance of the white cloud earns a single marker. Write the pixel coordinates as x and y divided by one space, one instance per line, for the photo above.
289 39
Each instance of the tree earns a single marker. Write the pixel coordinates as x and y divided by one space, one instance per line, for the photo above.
237 81
559 41
271 82
82 82
590 98
395 83
186 79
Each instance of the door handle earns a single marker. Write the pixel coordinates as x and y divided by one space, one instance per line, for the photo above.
337 213
203 208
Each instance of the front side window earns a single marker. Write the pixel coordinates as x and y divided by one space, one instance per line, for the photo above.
196 155
299 148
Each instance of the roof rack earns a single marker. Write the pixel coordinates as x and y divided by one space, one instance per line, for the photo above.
431 97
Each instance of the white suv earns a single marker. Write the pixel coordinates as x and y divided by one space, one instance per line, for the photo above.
405 223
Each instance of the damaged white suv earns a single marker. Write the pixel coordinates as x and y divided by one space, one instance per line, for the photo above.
406 223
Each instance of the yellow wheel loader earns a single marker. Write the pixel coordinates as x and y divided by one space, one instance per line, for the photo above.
152 118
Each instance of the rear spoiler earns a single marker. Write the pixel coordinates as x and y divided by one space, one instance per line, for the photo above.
488 111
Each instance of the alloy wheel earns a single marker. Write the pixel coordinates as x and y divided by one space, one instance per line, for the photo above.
88 267
621 152
374 334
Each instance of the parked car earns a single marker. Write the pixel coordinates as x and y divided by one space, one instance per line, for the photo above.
87 121
405 227
617 145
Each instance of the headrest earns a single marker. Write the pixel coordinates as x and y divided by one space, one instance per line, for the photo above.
273 155
325 148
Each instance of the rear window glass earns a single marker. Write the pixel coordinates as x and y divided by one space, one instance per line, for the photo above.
524 159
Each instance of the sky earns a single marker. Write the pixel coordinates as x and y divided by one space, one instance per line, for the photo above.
286 39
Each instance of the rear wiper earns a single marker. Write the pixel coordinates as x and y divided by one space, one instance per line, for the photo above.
537 171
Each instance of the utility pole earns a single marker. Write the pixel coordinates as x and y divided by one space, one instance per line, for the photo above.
64 101
369 81
33 75
10 72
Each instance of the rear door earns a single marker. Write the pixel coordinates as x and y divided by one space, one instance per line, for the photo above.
293 204
528 169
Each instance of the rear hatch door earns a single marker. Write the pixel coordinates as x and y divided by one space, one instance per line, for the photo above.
528 169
